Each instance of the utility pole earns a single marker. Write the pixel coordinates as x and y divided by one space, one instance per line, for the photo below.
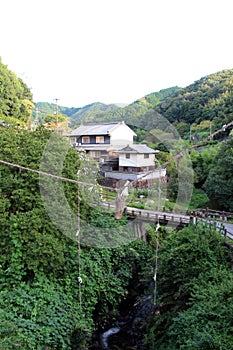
56 99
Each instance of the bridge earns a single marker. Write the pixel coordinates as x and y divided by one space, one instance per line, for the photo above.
177 221
162 218
140 217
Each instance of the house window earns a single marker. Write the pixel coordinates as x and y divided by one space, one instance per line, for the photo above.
85 139
146 155
95 154
99 139
127 156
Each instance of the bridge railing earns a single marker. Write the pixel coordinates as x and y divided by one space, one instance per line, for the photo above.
209 213
156 217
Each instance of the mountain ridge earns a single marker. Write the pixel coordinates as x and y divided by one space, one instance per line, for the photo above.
209 98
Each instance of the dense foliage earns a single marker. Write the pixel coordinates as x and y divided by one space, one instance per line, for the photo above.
195 304
15 98
42 303
44 108
219 183
208 99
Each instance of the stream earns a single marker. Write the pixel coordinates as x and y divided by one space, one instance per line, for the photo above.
127 332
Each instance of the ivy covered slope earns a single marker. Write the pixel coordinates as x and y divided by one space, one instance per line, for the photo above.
39 289
195 288
15 98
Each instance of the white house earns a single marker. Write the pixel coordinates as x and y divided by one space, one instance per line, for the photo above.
101 140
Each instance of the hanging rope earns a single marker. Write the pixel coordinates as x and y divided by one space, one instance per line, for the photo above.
78 235
156 261
51 175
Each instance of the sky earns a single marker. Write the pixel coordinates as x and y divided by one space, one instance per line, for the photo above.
113 51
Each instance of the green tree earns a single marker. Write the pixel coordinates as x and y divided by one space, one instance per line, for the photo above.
207 324
15 96
42 302
219 184
192 263
203 161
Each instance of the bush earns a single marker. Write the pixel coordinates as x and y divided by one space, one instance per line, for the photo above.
199 199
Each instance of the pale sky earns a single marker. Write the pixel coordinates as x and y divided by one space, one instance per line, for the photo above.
113 51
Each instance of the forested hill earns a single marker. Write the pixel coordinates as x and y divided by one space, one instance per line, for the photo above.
209 98
44 108
94 112
100 112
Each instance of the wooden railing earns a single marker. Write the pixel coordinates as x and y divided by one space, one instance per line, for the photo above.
209 213
215 217
157 216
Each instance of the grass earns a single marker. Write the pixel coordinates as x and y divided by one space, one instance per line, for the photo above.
108 195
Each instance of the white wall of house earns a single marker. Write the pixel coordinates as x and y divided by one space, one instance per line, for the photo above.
122 135
136 160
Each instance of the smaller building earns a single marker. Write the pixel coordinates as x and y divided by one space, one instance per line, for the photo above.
135 162
136 158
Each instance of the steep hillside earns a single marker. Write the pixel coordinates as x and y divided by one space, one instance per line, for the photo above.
135 113
210 98
206 99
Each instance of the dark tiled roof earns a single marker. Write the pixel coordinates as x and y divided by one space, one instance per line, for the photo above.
137 149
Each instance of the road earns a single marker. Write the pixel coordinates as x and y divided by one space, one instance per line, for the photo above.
229 228
221 225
